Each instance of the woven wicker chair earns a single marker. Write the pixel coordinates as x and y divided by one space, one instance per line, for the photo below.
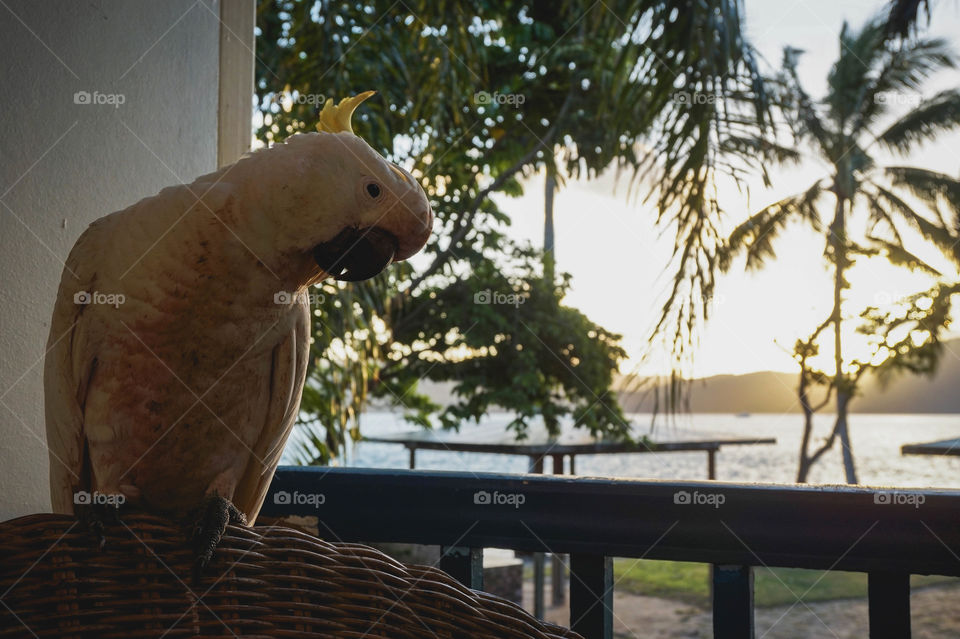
263 582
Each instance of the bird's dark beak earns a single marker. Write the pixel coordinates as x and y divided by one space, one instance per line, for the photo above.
356 254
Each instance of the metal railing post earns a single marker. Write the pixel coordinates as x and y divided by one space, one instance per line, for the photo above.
591 595
463 564
889 600
733 602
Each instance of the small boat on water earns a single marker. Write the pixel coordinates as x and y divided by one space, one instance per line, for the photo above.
744 414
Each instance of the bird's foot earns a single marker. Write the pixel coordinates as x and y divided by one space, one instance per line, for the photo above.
215 513
95 517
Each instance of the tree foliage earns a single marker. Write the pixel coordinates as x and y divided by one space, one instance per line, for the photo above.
509 342
472 97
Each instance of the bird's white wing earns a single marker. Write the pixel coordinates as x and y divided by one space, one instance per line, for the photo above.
75 334
69 366
287 372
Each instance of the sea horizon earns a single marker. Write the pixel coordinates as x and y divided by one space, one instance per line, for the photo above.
876 441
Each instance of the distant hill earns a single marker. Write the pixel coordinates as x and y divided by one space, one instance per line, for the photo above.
773 392
763 392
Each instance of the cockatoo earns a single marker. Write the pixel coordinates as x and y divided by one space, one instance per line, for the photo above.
179 341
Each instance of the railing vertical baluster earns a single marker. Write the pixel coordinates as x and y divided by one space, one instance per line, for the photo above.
591 595
889 596
536 467
557 578
733 602
538 585
463 564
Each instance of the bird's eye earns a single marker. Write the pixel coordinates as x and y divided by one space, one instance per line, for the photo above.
373 190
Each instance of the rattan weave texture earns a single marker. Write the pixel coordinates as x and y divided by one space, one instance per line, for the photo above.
264 582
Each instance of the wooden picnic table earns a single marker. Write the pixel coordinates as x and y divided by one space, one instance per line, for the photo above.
942 447
539 444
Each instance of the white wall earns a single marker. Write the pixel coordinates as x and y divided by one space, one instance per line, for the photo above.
62 165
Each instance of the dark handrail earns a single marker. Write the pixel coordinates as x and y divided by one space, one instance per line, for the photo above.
889 533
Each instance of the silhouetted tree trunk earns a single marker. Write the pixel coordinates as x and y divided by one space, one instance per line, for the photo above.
838 240
804 350
843 432
803 466
549 260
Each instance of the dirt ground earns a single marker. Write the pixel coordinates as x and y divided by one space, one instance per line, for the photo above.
935 613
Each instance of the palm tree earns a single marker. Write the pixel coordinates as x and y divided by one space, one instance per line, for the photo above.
869 74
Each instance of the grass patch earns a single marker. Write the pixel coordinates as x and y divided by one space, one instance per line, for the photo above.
689 582
670 579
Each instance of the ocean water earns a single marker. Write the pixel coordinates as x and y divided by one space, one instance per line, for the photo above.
876 441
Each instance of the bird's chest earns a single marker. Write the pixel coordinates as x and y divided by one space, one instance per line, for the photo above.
168 385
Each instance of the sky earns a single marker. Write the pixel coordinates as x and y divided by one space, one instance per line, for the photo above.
616 255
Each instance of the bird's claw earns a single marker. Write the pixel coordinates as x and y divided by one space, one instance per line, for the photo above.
216 513
94 518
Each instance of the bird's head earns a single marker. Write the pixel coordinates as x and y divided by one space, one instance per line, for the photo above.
365 211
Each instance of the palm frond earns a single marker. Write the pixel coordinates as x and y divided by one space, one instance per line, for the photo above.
850 76
930 187
903 16
933 116
755 236
898 255
714 90
902 70
762 147
798 107
939 235
759 151
880 215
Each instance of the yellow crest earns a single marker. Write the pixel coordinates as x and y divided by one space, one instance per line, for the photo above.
334 119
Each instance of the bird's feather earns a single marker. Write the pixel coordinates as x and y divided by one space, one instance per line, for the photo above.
288 372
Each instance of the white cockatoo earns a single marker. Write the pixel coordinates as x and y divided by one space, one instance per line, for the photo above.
179 341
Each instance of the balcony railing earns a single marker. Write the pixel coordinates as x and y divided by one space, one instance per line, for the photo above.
888 534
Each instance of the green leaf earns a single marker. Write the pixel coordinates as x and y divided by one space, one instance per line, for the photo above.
932 117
